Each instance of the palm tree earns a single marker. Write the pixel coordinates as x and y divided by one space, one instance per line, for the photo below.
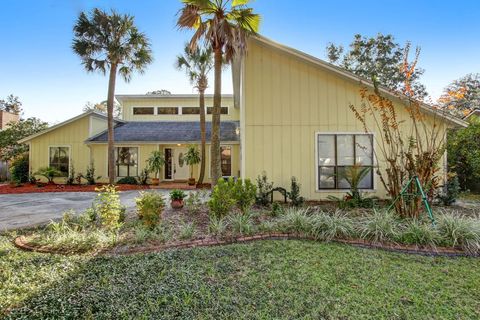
197 65
111 42
224 26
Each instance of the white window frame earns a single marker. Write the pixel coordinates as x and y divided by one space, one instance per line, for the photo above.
335 190
69 154
114 160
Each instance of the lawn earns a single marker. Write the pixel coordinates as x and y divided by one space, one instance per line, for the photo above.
261 280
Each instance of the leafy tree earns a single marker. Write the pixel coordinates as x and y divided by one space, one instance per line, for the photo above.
462 95
463 154
102 107
381 60
161 92
111 42
11 104
9 146
198 64
224 26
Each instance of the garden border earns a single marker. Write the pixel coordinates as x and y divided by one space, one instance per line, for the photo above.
210 242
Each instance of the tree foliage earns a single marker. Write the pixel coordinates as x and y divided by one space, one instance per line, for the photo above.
462 95
380 59
463 148
161 92
9 146
11 104
102 107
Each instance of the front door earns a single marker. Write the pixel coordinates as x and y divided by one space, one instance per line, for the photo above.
180 168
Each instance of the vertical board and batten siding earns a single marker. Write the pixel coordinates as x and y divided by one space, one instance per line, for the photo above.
287 100
72 135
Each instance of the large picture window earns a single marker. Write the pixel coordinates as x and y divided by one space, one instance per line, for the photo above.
337 153
126 161
60 159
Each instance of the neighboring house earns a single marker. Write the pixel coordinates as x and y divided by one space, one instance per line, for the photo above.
5 119
289 116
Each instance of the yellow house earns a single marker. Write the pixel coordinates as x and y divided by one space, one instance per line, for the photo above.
289 116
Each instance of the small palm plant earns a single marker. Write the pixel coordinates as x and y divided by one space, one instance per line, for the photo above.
192 157
155 163
354 175
49 173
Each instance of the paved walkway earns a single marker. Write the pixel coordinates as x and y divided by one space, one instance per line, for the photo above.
25 210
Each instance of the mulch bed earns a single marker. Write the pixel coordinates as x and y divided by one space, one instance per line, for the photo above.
33 188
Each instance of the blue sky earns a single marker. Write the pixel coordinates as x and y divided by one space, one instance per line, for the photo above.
38 65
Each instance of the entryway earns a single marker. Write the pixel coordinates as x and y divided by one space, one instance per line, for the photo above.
175 167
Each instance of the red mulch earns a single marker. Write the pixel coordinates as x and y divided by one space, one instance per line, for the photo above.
33 188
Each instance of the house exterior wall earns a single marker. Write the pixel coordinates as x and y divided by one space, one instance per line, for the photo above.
287 100
130 103
72 135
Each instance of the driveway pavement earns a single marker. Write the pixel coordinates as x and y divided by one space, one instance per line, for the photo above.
25 210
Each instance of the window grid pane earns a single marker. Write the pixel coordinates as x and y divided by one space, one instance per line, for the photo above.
59 159
143 110
126 161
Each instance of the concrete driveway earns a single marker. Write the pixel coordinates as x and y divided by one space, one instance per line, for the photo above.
25 210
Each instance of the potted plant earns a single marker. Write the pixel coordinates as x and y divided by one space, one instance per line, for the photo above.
176 198
155 163
192 157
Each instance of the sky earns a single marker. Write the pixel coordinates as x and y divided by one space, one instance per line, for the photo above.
38 65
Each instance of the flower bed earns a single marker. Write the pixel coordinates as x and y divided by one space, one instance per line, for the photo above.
33 188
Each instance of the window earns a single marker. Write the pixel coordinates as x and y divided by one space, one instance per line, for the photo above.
338 153
143 110
60 159
126 161
223 110
190 110
167 110
226 161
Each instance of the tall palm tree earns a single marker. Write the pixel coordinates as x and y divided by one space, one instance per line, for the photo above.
111 41
223 25
197 65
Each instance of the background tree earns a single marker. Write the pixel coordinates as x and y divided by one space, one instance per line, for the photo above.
11 104
111 42
381 60
198 64
463 147
224 26
161 92
9 146
102 107
462 95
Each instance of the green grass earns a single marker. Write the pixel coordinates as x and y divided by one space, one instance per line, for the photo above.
261 280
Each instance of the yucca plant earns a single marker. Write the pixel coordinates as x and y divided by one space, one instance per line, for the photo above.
330 226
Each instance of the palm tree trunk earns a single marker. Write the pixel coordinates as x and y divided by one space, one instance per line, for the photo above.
203 135
110 101
216 169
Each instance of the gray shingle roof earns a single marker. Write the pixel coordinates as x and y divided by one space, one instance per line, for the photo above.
167 131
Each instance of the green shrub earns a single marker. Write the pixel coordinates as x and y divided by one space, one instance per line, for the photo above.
127 180
71 176
49 173
379 227
144 175
419 233
277 209
264 189
193 203
242 224
108 207
244 193
217 226
222 199
329 227
450 191
296 220
19 169
187 231
177 194
458 231
150 206
90 175
294 194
